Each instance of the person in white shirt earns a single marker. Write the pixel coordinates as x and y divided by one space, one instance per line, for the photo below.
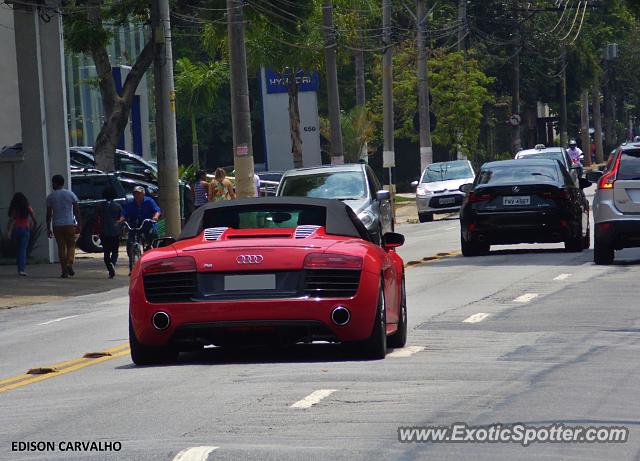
256 183
575 153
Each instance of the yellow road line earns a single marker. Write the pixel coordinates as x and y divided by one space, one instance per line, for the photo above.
63 367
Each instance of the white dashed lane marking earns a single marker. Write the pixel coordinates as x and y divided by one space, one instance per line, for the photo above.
525 298
405 352
475 318
562 277
195 454
59 320
313 398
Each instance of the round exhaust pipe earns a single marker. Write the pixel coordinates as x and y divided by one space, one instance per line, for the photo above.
340 316
161 320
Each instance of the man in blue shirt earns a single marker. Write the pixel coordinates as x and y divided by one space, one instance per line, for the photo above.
135 212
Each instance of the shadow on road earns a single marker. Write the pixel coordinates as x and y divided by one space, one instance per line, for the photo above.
299 353
520 256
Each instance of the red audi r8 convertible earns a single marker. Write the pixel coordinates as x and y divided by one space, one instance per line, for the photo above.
285 269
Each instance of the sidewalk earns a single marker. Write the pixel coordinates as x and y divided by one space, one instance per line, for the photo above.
43 283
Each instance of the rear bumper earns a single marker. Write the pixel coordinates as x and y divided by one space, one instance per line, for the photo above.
619 234
505 229
217 321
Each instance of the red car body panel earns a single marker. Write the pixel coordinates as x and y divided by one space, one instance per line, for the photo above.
280 251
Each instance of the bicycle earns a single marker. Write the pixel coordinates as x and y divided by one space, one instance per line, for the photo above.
135 246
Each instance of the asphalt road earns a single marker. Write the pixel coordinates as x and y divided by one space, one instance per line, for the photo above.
549 338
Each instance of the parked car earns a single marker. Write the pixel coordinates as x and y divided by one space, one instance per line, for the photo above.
524 201
438 189
124 161
554 153
616 204
88 185
269 182
355 184
268 270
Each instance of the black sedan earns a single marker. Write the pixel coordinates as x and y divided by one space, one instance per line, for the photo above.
524 201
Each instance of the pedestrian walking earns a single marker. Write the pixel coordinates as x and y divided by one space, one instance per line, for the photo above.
220 187
21 221
63 223
110 213
201 189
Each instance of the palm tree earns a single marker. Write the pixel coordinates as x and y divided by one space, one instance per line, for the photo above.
196 86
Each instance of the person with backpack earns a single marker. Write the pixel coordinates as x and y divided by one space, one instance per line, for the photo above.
110 214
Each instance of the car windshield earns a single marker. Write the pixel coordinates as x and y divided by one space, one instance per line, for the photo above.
528 174
335 185
260 217
545 155
446 171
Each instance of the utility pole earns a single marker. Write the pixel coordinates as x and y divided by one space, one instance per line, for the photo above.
388 153
462 26
426 148
165 97
597 122
564 138
584 126
337 149
240 110
516 143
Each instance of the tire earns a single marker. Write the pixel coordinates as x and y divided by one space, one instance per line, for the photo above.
399 338
586 240
89 240
603 253
134 251
146 355
575 243
425 217
375 346
470 249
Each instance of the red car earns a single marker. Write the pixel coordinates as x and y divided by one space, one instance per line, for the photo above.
285 269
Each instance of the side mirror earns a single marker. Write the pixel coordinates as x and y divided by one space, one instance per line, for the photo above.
584 183
392 240
383 195
594 176
162 242
129 197
414 183
465 187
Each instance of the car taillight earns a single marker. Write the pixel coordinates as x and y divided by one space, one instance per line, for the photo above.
560 194
332 261
474 198
607 179
177 264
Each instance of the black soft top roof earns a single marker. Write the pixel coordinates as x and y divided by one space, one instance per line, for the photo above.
340 218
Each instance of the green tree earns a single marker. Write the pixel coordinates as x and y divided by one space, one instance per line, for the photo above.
197 85
460 90
88 28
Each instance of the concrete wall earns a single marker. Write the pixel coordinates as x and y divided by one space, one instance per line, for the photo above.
10 131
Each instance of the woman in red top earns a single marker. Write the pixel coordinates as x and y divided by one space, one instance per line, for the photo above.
19 227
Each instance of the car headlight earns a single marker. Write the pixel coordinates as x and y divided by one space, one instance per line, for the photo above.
367 218
421 191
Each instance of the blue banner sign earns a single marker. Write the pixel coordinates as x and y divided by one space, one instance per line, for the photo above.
278 83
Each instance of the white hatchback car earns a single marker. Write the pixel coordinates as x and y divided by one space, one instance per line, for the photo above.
438 189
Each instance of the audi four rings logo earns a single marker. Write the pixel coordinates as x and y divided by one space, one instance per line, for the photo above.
249 259
516 189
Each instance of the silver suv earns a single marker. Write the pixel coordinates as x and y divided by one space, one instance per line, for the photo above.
616 204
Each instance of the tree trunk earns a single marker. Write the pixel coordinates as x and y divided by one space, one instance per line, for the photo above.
116 106
194 142
584 127
294 122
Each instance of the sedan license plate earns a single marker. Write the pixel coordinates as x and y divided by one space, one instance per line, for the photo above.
447 201
250 282
516 201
